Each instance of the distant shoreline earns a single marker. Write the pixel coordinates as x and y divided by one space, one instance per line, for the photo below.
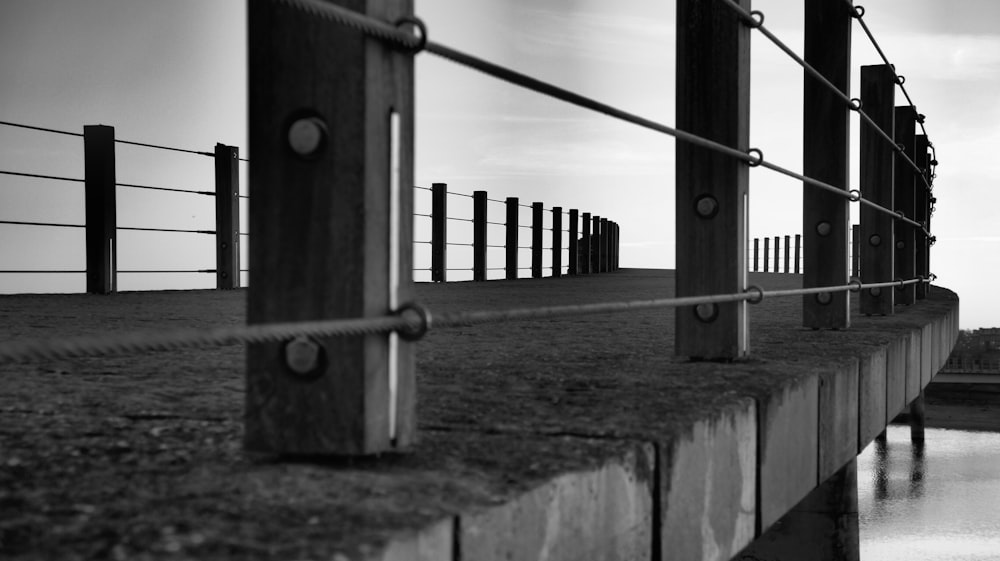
958 406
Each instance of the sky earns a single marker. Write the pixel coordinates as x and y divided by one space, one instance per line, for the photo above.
174 73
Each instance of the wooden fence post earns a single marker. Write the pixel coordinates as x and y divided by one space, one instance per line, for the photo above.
536 240
479 235
100 209
905 201
825 156
439 232
227 217
922 208
574 242
332 214
756 254
585 239
557 241
615 247
713 101
767 253
798 253
878 88
788 258
511 245
777 255
605 245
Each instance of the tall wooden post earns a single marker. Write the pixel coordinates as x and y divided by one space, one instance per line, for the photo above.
439 232
574 242
878 89
756 254
587 245
798 253
777 254
605 244
557 241
905 200
536 240
922 208
227 217
596 243
787 255
825 156
511 245
100 209
713 101
479 235
767 253
332 213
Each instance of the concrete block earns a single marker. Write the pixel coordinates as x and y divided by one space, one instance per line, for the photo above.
913 385
871 396
789 448
434 543
895 377
605 513
838 418
926 345
709 484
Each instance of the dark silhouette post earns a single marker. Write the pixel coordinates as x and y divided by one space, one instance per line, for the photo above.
479 235
767 254
574 242
511 245
536 240
587 245
332 214
439 232
557 241
100 210
605 244
227 217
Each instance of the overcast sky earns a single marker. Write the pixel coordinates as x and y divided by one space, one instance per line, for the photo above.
173 73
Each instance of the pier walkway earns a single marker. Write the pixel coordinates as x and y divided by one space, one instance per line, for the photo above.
578 438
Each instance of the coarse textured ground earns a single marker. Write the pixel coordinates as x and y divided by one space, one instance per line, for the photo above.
140 457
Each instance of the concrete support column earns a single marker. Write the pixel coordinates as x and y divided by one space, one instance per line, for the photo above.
822 527
917 419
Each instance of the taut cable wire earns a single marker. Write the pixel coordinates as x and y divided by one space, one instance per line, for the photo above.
43 129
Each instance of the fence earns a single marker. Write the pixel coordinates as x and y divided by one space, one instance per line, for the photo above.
787 256
301 309
591 248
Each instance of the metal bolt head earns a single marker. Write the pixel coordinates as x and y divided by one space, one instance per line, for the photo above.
304 356
824 229
900 244
824 298
875 240
706 312
706 206
875 291
307 136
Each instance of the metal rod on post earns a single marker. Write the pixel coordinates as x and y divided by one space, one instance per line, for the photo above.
100 209
856 250
878 88
479 235
511 245
904 185
922 208
557 241
713 101
574 242
227 217
587 245
332 213
536 240
439 232
826 156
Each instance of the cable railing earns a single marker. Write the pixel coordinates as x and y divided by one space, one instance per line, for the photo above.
713 165
599 255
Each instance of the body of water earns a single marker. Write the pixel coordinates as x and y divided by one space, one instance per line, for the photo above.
938 501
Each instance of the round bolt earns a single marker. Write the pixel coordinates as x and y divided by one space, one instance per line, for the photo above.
875 291
706 312
900 244
304 356
824 298
875 240
706 206
307 136
824 229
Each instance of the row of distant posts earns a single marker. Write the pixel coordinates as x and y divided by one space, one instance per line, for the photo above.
594 248
100 201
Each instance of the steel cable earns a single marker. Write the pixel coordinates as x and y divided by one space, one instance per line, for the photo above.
161 147
136 186
40 176
18 125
